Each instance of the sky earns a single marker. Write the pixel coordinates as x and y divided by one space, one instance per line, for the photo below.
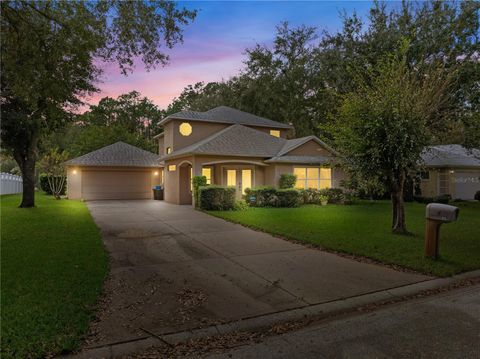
214 44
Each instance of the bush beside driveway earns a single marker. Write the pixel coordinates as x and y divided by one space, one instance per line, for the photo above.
364 230
53 264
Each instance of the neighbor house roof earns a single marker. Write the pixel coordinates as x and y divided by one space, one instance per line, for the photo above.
451 156
225 114
119 154
238 140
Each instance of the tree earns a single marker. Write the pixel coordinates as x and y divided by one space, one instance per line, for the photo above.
51 52
53 165
383 126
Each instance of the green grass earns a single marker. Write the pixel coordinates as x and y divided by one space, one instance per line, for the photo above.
53 265
364 230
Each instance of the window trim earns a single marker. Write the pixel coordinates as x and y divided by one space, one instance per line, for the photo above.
319 179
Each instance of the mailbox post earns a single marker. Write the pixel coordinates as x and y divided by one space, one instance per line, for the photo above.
437 214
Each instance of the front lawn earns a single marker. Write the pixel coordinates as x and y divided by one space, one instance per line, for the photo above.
364 229
53 264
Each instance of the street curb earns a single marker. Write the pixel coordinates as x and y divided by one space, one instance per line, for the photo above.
116 350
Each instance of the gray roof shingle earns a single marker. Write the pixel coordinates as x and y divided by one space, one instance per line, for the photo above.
225 114
118 154
236 140
451 156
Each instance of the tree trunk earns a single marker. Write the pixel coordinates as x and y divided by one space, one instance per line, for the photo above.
398 208
26 161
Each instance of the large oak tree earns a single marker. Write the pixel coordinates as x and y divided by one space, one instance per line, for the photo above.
52 54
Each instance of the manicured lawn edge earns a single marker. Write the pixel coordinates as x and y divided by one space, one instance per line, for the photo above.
53 268
361 232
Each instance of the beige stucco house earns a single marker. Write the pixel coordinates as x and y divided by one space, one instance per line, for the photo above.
228 146
452 170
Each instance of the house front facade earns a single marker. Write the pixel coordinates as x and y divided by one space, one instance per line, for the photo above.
227 146
234 148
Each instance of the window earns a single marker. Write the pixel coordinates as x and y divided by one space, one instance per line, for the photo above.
275 133
207 172
313 177
425 175
185 129
172 168
231 177
246 180
168 150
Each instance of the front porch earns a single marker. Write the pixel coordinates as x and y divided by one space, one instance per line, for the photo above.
240 173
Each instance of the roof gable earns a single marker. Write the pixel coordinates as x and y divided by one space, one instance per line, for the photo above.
290 145
225 114
118 154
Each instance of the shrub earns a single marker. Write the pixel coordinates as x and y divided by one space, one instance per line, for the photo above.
444 198
217 198
46 187
288 197
240 205
477 196
262 196
424 200
313 196
287 180
197 182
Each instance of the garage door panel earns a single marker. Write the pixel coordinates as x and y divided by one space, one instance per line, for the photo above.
466 184
101 184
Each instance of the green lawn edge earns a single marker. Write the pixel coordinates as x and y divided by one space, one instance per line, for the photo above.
363 230
53 266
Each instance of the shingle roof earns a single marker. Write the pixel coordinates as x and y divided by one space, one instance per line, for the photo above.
236 140
119 154
314 160
225 114
451 156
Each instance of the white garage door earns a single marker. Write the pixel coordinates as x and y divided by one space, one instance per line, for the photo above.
102 184
466 184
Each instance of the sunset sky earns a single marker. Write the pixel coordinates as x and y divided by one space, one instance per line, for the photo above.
214 44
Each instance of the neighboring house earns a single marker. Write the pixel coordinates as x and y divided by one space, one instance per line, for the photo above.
450 169
228 146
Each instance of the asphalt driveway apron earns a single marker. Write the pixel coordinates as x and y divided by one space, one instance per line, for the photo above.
174 268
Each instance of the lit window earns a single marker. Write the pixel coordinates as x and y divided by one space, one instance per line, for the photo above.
172 168
185 129
275 133
313 177
207 172
231 177
169 150
246 180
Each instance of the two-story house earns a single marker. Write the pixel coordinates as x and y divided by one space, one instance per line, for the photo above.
228 146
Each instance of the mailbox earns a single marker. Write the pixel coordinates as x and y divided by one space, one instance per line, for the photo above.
442 212
437 214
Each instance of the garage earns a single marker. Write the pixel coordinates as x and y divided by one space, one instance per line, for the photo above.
118 171
467 183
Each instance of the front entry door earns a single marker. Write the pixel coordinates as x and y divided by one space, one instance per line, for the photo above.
240 179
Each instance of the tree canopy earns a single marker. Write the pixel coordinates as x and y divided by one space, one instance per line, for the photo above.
51 56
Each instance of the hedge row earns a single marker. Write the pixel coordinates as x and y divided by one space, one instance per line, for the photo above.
217 198
272 197
314 196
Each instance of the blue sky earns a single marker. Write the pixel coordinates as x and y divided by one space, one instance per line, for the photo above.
214 43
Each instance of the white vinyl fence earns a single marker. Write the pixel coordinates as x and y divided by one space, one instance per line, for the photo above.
10 183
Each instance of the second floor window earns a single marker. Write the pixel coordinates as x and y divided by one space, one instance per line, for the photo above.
275 133
185 129
168 150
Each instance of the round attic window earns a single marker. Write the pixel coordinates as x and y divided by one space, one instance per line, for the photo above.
185 129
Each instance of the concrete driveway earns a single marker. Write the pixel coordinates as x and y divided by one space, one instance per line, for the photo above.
174 268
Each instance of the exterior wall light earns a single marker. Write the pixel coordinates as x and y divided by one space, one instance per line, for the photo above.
155 173
74 172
